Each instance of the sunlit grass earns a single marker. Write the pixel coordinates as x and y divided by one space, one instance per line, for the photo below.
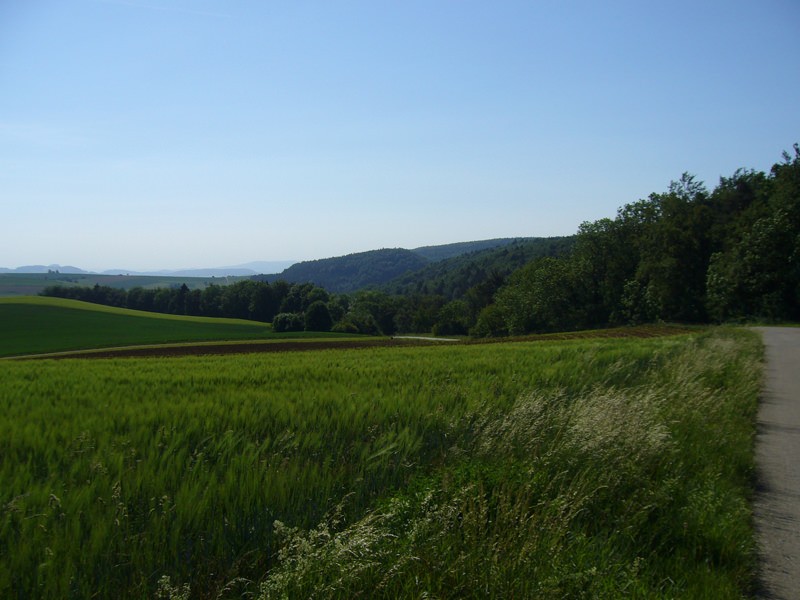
573 469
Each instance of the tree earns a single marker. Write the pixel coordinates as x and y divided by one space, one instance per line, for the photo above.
287 322
490 323
453 319
675 251
211 301
263 303
541 297
318 317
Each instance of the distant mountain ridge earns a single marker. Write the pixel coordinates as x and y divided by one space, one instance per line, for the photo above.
46 269
396 267
243 270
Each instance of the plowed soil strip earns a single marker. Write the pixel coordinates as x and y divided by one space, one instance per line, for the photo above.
210 348
224 348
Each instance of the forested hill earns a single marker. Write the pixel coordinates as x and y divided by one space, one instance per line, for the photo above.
343 274
376 268
453 276
444 251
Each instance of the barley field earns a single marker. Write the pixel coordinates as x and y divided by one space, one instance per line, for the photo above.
565 469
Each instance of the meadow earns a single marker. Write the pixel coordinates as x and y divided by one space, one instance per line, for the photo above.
562 469
36 325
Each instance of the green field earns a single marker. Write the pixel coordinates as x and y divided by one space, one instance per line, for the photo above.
33 325
564 469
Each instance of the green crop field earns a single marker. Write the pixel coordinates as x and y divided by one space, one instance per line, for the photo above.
562 469
33 325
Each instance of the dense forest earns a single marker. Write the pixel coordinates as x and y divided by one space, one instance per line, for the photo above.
390 267
349 273
685 255
453 276
445 251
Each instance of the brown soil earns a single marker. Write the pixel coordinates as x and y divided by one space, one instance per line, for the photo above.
226 348
304 346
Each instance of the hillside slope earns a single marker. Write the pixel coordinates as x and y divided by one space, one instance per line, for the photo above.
33 325
444 251
344 274
407 271
452 277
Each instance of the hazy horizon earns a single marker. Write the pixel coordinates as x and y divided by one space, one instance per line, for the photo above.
253 264
166 134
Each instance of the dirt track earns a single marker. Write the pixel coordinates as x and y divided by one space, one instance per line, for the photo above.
777 502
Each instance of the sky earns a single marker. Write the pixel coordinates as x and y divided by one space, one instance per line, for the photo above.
161 134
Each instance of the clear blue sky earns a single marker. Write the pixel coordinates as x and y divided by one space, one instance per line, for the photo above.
169 134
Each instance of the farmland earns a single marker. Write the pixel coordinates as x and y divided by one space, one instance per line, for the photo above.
40 325
566 468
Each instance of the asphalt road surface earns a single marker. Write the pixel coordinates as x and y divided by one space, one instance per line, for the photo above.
777 501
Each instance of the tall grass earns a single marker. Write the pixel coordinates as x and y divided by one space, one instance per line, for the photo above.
570 469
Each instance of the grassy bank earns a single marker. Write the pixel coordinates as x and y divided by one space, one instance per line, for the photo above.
614 468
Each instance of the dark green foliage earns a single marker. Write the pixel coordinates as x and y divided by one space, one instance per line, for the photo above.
318 317
353 272
688 255
542 296
453 319
453 277
251 300
444 251
287 322
367 312
757 274
490 323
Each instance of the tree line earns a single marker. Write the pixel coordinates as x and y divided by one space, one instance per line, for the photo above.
288 306
686 255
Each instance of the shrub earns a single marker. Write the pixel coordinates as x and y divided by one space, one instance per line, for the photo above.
287 322
318 317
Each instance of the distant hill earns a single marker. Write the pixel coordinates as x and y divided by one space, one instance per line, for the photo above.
245 270
46 269
444 251
452 277
449 269
352 272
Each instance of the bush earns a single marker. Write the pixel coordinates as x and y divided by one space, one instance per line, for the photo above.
287 322
345 326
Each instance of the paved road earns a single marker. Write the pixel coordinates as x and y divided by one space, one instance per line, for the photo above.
777 502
